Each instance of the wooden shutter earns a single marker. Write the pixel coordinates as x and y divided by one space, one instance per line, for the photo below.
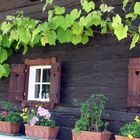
55 82
133 98
16 83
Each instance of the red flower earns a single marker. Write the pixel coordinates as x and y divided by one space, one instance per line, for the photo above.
4 114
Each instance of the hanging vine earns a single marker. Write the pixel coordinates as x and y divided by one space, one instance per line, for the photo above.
77 26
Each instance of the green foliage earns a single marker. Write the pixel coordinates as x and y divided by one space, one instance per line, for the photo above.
119 29
6 105
125 2
8 115
59 10
77 26
13 117
137 8
44 122
91 112
131 129
88 6
104 8
28 114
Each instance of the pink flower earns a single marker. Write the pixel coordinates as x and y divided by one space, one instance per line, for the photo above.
43 112
34 120
4 114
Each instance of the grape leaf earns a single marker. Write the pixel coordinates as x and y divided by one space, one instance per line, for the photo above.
76 39
104 8
2 71
77 29
116 21
55 22
125 2
131 15
139 28
64 36
85 39
6 27
96 18
88 6
14 35
3 55
67 22
44 38
41 27
135 39
137 8
50 15
5 42
121 31
89 32
24 35
59 10
7 70
52 37
75 13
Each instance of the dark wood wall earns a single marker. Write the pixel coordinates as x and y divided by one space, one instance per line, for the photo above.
101 66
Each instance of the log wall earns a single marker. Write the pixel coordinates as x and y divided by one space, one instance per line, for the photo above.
101 66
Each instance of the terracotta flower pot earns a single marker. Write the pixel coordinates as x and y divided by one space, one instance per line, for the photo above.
8 127
42 132
85 135
125 138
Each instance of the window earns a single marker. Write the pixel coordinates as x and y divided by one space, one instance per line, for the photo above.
36 82
39 83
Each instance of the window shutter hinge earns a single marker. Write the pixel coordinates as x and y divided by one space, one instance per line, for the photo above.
24 94
26 70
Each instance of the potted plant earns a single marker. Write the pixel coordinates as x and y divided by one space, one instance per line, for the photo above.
39 123
130 131
9 120
90 126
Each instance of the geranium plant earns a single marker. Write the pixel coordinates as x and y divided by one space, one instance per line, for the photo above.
37 116
131 129
9 116
91 113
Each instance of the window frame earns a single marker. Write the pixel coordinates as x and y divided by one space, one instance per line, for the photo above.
32 82
52 99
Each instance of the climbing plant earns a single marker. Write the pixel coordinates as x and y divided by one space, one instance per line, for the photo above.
77 26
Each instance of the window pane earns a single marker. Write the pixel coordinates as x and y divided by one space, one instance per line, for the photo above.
38 74
45 91
37 91
46 75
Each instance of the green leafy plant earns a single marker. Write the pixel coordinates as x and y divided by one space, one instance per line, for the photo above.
9 116
91 113
77 26
37 116
131 129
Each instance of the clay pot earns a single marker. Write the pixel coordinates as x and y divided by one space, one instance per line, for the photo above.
125 138
42 132
85 135
8 127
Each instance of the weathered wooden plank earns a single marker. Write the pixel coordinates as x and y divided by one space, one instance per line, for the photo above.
35 10
6 5
110 115
116 96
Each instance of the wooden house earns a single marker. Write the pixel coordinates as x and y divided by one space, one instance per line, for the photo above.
104 65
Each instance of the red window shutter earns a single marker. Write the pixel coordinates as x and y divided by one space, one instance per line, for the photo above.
16 83
55 82
133 98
